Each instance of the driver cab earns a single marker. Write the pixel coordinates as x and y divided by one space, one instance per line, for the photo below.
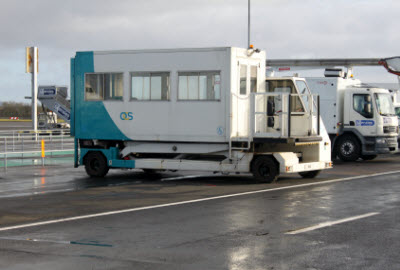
297 98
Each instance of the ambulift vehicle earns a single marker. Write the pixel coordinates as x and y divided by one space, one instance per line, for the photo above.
192 109
55 105
360 119
47 120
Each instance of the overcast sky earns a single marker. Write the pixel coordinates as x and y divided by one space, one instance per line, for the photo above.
283 28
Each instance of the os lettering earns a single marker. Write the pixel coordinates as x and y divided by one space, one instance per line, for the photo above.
126 116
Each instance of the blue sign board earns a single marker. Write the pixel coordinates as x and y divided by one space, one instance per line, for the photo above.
363 123
48 91
62 111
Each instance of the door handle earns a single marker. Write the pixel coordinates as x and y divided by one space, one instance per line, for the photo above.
351 123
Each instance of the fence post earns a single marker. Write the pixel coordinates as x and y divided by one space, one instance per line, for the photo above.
22 147
43 152
5 155
52 145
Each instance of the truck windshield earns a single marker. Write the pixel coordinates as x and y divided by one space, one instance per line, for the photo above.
284 86
397 110
304 92
384 104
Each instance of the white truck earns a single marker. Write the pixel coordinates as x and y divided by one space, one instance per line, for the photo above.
360 119
192 109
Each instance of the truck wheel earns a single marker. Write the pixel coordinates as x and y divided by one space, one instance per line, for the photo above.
368 157
309 174
348 148
265 169
150 171
96 164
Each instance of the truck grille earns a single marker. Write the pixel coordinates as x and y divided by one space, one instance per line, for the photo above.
390 129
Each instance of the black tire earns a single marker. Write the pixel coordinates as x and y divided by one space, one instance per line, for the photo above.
309 174
348 148
265 169
150 171
368 157
96 164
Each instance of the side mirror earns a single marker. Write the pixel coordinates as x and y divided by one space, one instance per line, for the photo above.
367 98
270 107
391 64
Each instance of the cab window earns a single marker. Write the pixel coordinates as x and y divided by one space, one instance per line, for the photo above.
362 103
284 86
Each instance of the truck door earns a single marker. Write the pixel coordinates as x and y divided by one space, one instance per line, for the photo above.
360 114
247 82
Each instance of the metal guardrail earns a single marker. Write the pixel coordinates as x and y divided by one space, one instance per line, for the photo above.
20 145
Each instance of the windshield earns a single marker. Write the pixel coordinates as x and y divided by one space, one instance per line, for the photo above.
304 92
397 110
384 104
284 86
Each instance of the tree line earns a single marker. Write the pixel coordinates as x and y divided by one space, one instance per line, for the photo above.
16 109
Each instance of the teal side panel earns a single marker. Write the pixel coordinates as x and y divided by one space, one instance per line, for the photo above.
76 156
92 121
72 93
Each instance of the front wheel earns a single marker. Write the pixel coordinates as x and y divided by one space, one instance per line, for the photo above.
265 169
368 157
96 164
348 148
309 174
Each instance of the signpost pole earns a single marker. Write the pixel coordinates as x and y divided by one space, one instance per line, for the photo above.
34 88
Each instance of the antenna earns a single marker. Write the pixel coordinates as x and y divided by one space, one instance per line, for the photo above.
248 24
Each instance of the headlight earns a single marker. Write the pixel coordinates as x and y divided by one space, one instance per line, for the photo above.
380 140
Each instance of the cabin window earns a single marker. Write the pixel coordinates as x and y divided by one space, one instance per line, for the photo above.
284 86
199 85
253 79
363 105
104 86
150 86
304 93
243 79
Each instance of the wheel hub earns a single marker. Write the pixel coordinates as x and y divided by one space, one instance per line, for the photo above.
347 148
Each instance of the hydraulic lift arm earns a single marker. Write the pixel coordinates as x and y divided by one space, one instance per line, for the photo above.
392 64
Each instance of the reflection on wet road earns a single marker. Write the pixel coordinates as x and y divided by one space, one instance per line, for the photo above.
182 221
240 232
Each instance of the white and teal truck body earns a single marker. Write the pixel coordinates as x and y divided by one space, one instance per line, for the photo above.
190 109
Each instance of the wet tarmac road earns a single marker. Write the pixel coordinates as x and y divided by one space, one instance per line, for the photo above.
239 232
15 125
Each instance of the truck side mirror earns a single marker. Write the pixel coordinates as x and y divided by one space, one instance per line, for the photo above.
270 107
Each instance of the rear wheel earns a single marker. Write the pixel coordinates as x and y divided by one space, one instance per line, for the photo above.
368 157
309 174
265 169
96 164
348 148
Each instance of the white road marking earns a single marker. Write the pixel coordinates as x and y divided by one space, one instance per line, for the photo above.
190 201
331 223
186 177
